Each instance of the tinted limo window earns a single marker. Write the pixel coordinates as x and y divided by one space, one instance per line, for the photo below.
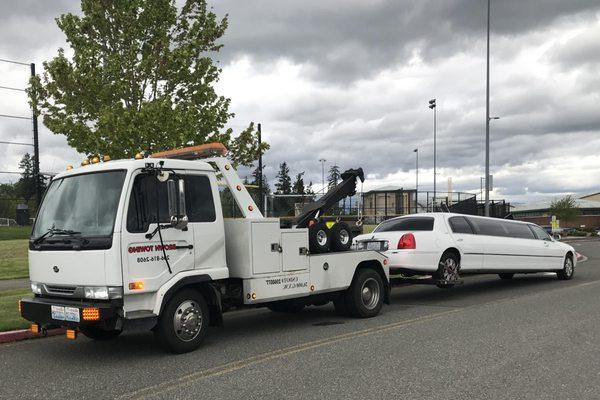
517 230
406 224
460 225
488 227
540 233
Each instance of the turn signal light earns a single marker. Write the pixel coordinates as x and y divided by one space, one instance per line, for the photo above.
136 285
407 241
139 156
20 307
35 328
69 167
71 334
91 314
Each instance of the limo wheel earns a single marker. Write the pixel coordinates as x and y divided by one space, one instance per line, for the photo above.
568 270
447 273
183 323
506 275
364 298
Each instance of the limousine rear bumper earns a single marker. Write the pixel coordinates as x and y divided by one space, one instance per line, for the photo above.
413 260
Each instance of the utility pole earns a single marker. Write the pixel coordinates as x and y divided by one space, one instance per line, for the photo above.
433 106
36 150
322 161
417 181
487 119
260 172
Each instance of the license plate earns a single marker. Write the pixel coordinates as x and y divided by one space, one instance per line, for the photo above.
374 246
65 313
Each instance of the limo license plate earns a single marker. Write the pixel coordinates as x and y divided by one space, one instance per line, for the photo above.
374 246
65 313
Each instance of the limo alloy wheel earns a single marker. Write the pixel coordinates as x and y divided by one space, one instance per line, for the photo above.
568 269
447 273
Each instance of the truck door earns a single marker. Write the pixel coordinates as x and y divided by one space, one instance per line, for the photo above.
206 224
143 256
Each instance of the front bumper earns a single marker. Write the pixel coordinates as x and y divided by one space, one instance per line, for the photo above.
39 310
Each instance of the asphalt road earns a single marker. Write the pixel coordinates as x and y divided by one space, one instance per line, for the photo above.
531 338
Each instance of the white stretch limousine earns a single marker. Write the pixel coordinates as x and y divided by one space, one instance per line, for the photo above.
445 245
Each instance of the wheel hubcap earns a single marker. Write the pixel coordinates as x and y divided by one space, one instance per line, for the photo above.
568 267
450 270
370 293
322 237
344 236
187 320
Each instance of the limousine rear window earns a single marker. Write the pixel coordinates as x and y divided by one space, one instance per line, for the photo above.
488 227
406 224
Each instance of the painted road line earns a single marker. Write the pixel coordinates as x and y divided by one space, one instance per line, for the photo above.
164 387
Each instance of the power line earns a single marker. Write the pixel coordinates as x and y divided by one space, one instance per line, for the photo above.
17 143
14 116
15 62
12 88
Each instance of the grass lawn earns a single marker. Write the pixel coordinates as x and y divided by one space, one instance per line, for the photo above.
9 310
13 263
368 228
14 232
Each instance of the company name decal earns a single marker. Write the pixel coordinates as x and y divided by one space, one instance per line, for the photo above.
147 249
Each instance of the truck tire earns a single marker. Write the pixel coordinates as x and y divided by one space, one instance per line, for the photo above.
568 269
319 238
447 271
183 323
364 297
96 333
341 237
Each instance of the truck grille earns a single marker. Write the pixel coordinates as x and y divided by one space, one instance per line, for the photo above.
61 290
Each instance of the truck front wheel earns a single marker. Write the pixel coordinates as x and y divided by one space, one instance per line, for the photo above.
183 323
364 298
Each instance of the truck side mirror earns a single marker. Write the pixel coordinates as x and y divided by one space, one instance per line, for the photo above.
176 199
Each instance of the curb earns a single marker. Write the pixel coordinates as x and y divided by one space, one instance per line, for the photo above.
581 257
24 334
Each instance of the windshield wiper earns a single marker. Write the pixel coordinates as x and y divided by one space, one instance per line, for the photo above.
56 231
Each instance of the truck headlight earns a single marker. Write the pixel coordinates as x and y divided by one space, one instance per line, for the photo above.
103 292
36 288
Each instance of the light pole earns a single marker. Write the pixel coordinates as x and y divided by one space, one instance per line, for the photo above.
433 106
322 161
487 118
417 180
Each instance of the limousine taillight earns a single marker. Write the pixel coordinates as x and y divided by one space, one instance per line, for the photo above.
407 241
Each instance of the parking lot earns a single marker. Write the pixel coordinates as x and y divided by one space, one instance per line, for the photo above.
533 337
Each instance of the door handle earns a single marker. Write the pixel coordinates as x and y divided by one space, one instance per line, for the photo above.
459 240
187 246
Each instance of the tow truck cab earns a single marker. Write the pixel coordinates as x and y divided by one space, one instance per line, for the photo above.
143 244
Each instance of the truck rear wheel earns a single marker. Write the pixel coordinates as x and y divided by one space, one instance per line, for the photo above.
364 298
183 322
341 237
96 333
319 238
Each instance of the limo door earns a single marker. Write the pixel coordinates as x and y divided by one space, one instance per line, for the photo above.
470 245
548 254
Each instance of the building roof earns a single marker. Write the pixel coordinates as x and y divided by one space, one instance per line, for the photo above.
545 205
389 188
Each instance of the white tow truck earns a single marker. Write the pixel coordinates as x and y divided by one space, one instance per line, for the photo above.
143 244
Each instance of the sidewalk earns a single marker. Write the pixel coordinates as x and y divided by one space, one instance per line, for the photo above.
14 284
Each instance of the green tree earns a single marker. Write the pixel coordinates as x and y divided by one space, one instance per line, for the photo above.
298 186
255 192
25 188
334 176
565 209
141 78
284 182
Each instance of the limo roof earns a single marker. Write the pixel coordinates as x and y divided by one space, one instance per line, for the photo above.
449 215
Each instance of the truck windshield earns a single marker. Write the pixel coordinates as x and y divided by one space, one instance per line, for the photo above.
86 204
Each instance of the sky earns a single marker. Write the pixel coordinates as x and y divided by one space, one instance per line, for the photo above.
349 81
